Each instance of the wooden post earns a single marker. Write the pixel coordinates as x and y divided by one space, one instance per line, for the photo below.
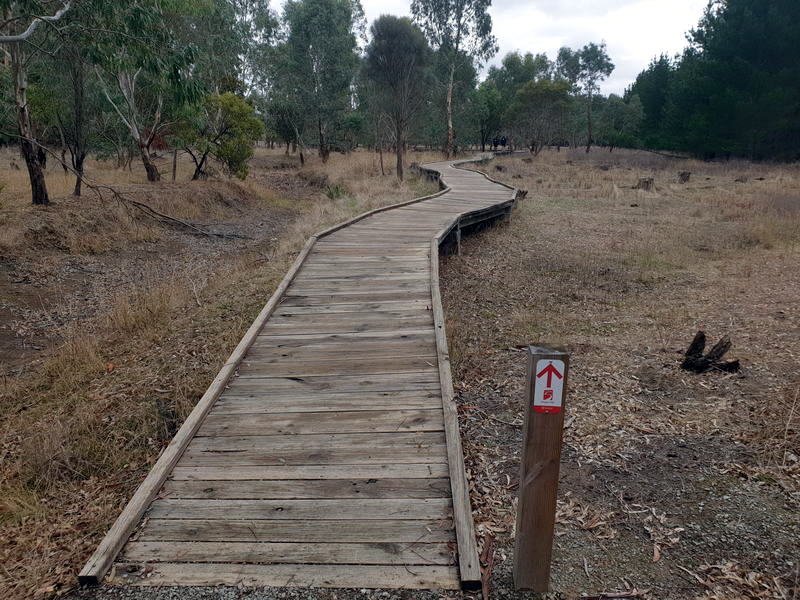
541 454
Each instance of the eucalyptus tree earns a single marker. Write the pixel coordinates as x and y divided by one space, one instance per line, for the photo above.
538 110
288 121
397 63
488 108
585 69
516 70
149 75
459 29
316 64
21 20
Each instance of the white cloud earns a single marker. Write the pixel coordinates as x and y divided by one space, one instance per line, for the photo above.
635 30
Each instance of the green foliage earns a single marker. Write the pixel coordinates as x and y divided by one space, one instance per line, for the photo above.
225 126
537 112
461 33
316 64
736 90
652 88
517 70
619 121
457 26
336 191
488 108
397 65
287 119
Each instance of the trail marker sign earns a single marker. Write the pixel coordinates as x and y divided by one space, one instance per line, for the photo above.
548 396
541 456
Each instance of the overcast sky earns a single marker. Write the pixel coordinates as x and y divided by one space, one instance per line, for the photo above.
635 30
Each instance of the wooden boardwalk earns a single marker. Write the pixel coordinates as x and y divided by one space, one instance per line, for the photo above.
326 453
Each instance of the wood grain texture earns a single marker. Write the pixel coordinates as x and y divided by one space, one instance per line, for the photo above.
313 576
327 451
232 530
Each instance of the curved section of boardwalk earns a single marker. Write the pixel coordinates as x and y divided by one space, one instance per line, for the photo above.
331 458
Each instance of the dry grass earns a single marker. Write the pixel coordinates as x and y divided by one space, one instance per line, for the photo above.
679 465
83 422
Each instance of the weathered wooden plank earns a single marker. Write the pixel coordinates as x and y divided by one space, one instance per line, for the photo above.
309 299
312 472
102 559
339 383
267 553
254 457
320 440
354 365
340 422
313 576
422 333
342 407
303 489
415 509
268 404
309 318
346 323
342 353
392 305
402 532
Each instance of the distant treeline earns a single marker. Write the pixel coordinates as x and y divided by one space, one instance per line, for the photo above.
132 79
735 91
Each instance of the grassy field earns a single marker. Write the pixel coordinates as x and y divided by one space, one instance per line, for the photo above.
112 325
674 485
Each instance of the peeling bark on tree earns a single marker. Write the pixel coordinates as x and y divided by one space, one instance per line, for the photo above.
449 149
29 148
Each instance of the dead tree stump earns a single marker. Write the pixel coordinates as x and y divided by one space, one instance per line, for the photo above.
699 362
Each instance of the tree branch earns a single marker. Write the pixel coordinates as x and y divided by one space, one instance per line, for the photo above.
21 37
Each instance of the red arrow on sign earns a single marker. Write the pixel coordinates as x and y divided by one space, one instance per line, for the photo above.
549 370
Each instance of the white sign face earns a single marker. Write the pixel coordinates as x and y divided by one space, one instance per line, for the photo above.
548 382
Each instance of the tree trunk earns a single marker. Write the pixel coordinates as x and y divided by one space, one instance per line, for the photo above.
589 125
324 153
78 148
78 165
27 142
174 164
450 133
200 168
400 150
152 171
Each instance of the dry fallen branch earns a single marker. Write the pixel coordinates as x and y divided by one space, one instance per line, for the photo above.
128 202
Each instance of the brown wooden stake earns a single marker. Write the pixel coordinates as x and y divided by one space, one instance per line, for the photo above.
544 424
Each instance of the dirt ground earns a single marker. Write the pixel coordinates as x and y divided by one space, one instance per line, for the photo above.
673 485
113 323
